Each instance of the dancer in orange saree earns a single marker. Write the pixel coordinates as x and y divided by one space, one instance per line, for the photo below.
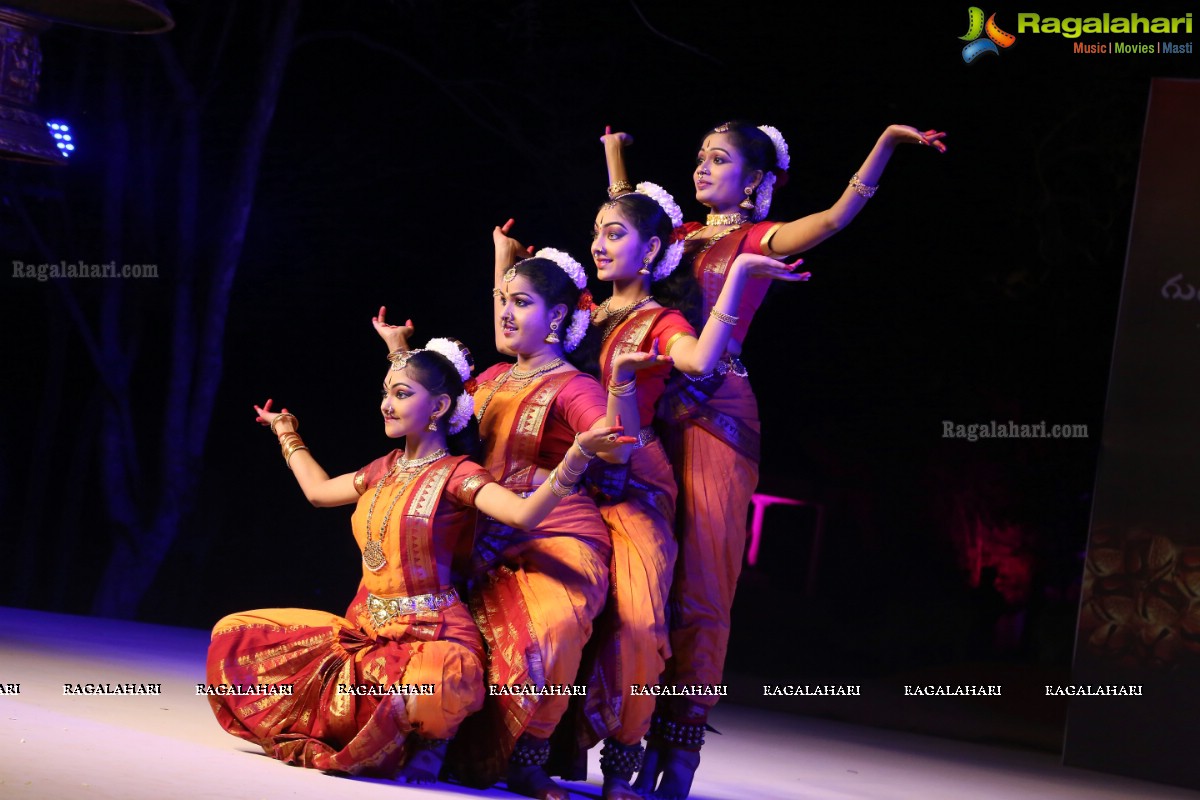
635 237
710 424
637 242
385 687
534 592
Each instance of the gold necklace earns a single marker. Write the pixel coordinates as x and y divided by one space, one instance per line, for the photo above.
710 241
615 318
520 376
533 373
713 220
372 553
405 464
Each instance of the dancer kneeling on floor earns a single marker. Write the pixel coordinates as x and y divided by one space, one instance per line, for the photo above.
383 689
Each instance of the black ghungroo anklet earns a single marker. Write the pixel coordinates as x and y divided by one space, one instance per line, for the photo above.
675 733
620 760
530 751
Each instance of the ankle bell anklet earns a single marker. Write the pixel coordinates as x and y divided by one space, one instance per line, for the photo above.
620 760
673 733
530 752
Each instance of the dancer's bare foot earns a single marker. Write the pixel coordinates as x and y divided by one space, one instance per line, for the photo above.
425 763
532 781
678 769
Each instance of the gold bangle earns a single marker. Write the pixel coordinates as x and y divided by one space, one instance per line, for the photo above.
556 486
291 446
721 316
574 474
285 415
863 189
618 188
583 450
623 389
287 459
289 438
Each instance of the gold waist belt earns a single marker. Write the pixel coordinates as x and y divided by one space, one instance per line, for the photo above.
385 609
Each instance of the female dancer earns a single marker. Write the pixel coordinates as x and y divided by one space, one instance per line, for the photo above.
711 425
637 237
390 682
534 592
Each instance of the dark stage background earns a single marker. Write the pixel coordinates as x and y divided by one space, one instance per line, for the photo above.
978 285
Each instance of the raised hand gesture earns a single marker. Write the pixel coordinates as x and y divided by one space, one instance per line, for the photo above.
279 422
395 336
508 250
619 139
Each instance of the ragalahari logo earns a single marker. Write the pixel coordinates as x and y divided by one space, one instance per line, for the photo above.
976 27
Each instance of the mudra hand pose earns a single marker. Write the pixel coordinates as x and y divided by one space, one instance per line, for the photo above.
711 426
385 687
534 589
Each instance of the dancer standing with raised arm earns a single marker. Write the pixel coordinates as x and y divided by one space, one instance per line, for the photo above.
386 686
711 426
636 239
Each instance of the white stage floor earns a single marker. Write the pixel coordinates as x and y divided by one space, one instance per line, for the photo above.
169 746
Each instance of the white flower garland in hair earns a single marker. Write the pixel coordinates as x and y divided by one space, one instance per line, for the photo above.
580 320
452 353
673 251
762 198
661 196
782 159
464 405
568 265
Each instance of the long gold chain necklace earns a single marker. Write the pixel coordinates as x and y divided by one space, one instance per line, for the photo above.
708 243
515 374
615 318
372 554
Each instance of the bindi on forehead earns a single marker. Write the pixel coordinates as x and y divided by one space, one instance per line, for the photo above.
518 285
719 142
611 216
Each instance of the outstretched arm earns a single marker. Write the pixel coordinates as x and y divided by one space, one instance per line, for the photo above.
320 490
698 356
806 232
528 512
